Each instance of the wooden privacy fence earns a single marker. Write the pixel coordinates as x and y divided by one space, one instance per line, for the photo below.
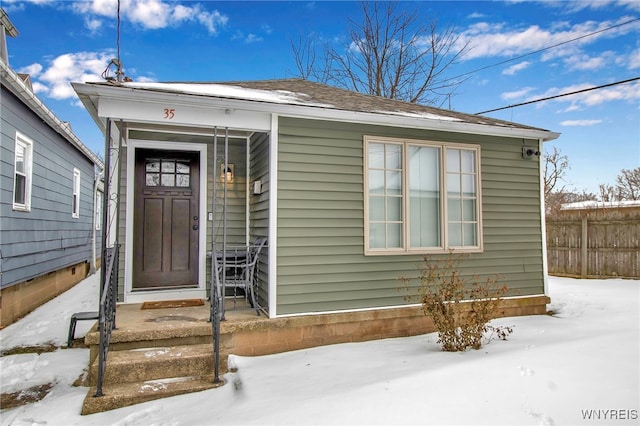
612 237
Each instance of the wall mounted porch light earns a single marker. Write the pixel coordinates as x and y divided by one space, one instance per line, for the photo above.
227 171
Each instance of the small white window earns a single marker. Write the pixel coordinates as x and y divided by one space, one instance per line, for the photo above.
98 217
22 173
75 212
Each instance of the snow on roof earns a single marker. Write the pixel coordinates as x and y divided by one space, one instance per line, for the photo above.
308 93
427 115
231 91
591 204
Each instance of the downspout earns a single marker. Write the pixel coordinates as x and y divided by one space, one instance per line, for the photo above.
94 222
105 200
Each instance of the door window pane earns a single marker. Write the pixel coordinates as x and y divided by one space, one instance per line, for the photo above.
153 179
167 180
168 172
153 165
182 181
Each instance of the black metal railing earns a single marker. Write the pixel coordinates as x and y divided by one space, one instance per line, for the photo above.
107 316
215 315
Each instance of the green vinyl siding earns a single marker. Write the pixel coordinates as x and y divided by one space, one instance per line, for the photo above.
321 263
259 209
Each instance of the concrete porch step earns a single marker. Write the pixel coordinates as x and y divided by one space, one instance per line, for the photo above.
139 365
126 394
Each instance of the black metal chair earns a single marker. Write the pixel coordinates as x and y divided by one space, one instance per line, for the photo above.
241 271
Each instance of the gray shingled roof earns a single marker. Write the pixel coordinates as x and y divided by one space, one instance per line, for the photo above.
341 99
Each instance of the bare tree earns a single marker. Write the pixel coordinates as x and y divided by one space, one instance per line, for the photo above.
608 193
391 53
555 200
628 184
556 165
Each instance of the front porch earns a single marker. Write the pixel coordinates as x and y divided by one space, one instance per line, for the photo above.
157 353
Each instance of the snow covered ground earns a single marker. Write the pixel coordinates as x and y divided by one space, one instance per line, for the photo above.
577 367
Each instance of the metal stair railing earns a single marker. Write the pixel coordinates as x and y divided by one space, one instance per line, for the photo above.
107 315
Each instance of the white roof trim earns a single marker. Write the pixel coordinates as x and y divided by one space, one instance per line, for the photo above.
13 83
319 112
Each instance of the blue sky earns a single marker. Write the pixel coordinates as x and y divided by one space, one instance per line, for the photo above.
160 40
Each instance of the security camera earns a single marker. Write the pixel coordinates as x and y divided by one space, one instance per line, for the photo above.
528 152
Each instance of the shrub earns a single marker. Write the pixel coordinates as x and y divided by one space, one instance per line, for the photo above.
460 308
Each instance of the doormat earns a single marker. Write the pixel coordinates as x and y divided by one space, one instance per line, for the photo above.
172 304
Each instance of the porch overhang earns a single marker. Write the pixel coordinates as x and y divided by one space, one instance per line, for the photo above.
93 96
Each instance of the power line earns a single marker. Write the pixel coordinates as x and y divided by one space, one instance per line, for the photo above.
560 95
544 48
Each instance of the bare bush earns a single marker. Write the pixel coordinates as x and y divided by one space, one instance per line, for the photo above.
460 307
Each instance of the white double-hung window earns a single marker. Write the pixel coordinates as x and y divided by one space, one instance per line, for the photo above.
421 196
23 165
75 207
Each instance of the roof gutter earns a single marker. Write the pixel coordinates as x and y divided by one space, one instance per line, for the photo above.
14 84
86 91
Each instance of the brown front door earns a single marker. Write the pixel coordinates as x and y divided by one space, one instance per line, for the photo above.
166 219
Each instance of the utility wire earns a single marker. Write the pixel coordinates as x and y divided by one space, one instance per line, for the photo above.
544 48
560 95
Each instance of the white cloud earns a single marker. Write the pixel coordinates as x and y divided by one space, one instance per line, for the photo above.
249 38
515 68
39 87
581 123
494 40
584 62
629 92
33 70
574 6
93 24
507 96
252 38
151 14
79 66
145 79
154 14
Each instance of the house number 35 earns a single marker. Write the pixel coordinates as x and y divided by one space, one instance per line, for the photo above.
169 113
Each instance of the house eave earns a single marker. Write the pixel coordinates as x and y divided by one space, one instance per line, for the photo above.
16 86
89 93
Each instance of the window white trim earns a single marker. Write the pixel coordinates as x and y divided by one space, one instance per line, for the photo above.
98 210
75 202
22 175
444 199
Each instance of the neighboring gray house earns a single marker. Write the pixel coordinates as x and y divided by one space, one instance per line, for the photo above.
351 190
48 187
